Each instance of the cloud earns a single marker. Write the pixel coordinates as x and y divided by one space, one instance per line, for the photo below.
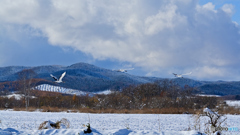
159 36
228 8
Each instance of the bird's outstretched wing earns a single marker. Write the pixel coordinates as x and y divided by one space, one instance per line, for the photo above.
55 78
130 69
187 73
175 74
60 79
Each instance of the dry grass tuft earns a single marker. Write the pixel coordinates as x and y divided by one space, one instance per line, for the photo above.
42 125
57 125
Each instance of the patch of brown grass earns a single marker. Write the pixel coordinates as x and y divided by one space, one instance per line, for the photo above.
87 110
229 110
30 109
51 109
134 111
170 110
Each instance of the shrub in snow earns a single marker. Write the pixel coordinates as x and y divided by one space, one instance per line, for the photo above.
62 124
88 129
65 122
215 120
212 125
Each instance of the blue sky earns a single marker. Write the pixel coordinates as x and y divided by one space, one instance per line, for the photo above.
155 37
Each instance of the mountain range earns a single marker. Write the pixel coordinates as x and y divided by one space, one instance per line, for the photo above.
87 77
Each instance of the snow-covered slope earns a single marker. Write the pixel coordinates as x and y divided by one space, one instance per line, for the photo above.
52 88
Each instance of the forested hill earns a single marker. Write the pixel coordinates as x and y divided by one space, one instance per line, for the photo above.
81 76
87 77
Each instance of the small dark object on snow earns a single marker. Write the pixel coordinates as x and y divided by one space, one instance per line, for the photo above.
218 133
88 129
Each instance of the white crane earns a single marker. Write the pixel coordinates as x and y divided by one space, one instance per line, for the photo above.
180 75
60 79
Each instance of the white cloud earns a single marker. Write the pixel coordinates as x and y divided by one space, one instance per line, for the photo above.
228 8
165 19
155 35
209 6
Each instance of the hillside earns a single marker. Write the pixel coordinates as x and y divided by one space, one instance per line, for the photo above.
80 76
90 78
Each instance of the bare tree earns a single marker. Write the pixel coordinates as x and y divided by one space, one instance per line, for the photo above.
215 119
25 78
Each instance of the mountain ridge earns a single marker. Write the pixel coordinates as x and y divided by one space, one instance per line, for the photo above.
87 77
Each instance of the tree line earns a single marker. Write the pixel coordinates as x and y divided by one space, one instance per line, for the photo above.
150 96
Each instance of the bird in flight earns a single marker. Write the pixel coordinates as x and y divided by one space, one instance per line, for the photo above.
180 75
123 70
60 79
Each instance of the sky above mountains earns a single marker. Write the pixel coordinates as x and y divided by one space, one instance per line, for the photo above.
155 37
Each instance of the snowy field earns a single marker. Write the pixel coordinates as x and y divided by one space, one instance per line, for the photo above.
20 122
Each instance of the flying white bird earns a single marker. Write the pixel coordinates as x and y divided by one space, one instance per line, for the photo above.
123 70
180 75
60 79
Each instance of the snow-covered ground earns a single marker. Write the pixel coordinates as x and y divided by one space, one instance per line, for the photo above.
235 103
204 95
20 122
16 96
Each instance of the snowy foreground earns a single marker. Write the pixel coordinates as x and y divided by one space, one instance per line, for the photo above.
20 122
